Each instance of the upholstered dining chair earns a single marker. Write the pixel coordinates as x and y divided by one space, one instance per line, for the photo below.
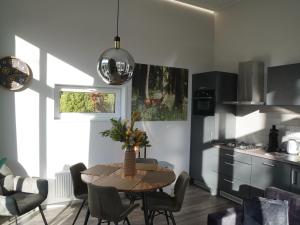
146 160
105 204
80 188
19 195
163 203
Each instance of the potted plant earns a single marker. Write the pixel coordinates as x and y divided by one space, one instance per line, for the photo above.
132 138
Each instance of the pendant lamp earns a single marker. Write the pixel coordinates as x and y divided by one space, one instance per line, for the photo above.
115 65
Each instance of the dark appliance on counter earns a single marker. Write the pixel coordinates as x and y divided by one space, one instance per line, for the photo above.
211 120
204 101
273 139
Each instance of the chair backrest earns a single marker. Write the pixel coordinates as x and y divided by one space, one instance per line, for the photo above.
180 188
79 186
104 202
146 160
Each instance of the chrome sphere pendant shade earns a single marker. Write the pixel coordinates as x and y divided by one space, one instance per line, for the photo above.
115 65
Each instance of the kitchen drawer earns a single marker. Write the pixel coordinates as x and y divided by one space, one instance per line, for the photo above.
234 187
235 169
237 156
267 173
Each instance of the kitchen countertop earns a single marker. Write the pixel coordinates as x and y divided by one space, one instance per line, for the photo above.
260 152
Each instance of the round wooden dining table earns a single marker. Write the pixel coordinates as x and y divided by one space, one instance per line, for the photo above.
148 177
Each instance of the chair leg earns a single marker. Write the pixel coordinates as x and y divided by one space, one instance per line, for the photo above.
167 216
127 220
87 215
131 201
172 218
78 212
16 220
152 214
43 216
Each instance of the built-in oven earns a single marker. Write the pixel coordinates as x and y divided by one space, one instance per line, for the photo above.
204 101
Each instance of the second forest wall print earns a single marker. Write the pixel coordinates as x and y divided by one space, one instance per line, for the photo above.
160 93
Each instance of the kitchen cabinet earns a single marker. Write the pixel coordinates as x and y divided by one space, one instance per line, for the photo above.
206 127
234 187
283 85
235 173
204 168
267 173
295 179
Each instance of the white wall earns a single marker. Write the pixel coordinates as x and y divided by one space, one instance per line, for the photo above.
257 29
61 41
264 30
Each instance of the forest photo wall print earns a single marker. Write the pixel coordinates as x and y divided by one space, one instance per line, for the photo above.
160 93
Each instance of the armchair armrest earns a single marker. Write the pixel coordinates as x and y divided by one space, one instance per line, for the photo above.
230 216
8 206
31 185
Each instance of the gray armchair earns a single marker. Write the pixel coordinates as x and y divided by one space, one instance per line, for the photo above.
19 195
234 216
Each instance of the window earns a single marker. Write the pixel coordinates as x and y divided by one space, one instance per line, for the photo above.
87 102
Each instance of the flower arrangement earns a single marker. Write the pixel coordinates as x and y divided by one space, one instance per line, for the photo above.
124 131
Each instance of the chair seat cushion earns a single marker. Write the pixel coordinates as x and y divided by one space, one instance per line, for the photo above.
27 201
160 200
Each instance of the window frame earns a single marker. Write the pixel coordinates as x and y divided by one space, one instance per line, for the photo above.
86 115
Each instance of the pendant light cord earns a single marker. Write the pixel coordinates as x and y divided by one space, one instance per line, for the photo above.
118 18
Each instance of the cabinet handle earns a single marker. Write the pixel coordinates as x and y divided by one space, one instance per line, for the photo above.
229 181
268 164
294 177
230 164
229 155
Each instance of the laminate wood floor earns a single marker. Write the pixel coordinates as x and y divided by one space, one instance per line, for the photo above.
198 203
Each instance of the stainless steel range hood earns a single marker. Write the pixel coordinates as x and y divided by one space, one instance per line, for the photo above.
250 90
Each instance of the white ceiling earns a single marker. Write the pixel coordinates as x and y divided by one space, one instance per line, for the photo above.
211 4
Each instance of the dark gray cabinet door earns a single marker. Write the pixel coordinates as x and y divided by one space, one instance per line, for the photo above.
235 173
283 85
295 179
234 187
204 168
267 173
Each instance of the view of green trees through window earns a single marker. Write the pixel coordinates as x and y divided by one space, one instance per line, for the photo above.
87 102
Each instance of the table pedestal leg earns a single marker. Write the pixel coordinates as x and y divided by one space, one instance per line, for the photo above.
145 206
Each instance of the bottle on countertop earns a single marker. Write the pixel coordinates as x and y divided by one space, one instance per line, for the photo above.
273 139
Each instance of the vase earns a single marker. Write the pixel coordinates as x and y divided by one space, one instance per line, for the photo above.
129 163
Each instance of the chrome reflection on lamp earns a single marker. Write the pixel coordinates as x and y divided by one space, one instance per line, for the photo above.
115 65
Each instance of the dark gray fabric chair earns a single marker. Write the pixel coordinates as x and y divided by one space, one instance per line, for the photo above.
146 160
163 203
234 216
80 188
19 195
105 204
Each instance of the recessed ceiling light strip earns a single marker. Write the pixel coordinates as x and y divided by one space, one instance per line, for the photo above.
192 6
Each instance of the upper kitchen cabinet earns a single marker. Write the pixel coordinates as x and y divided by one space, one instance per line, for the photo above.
283 85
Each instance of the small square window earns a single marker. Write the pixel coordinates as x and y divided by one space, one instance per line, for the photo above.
87 102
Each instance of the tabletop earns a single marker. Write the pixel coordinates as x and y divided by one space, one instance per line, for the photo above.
148 177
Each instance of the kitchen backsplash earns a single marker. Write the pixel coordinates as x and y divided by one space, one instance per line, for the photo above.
291 132
253 123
